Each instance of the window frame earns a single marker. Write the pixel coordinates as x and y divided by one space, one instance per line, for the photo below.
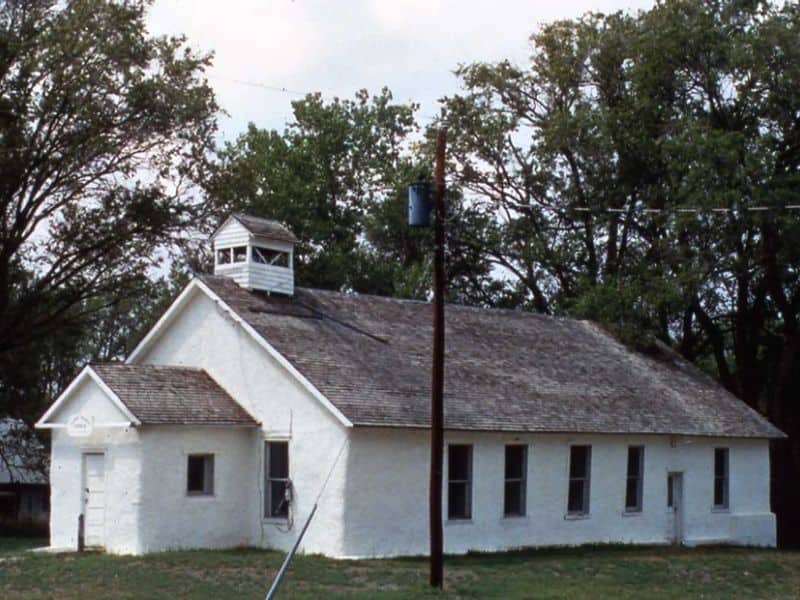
267 507
724 478
467 483
584 511
208 474
638 477
522 481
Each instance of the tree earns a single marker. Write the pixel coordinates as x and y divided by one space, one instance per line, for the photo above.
338 176
320 176
689 105
103 132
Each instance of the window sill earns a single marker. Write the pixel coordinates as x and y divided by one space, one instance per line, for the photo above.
201 495
631 513
720 509
576 516
459 521
275 520
514 518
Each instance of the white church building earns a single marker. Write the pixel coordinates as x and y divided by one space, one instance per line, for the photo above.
224 424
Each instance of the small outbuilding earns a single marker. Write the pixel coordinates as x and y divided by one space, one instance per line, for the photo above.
24 488
223 425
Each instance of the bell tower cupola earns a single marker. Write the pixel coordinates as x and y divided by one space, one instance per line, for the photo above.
256 253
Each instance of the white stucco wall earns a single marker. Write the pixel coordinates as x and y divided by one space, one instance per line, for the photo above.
169 518
122 450
202 335
387 475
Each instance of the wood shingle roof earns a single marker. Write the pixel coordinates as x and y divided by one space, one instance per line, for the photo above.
266 228
504 370
159 395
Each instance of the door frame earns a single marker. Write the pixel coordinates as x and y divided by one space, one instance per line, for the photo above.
85 488
675 490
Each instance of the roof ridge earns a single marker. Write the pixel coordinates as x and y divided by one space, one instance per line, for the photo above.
415 301
241 215
458 306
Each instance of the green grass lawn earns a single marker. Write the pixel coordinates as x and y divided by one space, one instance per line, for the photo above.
590 572
15 546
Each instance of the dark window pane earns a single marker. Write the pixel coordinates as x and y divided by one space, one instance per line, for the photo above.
719 492
514 498
670 485
515 462
279 460
458 501
200 474
240 254
634 461
223 256
575 501
278 504
196 470
459 462
632 494
720 458
578 461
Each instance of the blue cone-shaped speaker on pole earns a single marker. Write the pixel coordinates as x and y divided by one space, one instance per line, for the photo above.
419 204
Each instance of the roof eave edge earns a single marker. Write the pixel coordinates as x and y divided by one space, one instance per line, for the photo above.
421 427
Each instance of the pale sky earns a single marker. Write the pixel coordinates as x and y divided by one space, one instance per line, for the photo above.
337 47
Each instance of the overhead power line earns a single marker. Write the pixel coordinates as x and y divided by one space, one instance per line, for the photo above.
264 86
683 209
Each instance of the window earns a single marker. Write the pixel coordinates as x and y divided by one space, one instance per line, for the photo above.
459 486
670 491
580 458
516 463
635 478
721 468
265 256
224 256
276 474
200 475
240 254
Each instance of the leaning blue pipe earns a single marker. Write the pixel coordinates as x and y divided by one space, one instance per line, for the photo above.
419 204
282 571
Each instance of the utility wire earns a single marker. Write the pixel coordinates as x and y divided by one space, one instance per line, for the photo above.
689 210
264 86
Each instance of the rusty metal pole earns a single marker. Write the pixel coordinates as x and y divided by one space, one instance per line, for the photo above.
437 373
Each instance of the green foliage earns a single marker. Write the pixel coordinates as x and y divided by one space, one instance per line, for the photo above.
686 105
338 176
320 176
102 130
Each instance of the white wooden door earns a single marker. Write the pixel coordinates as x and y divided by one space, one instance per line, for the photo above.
675 502
94 499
